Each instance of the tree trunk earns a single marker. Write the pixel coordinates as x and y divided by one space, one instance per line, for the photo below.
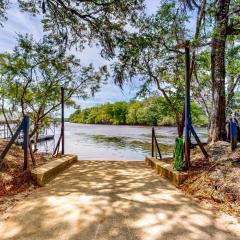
180 122
232 84
218 117
230 95
36 141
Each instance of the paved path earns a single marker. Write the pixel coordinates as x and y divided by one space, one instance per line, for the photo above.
99 200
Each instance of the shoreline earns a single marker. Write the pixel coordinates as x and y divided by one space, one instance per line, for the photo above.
131 125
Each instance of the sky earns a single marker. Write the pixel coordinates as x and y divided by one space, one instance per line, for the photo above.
19 22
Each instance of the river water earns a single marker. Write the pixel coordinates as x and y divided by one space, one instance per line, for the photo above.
109 142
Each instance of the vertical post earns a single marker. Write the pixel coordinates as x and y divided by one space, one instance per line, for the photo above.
187 107
4 129
62 127
153 133
233 135
25 140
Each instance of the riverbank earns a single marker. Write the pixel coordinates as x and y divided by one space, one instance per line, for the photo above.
216 182
166 124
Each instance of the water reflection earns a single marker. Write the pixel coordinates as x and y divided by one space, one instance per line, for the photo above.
128 144
98 142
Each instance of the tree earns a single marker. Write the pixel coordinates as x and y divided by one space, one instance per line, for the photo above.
151 54
224 14
216 21
3 7
233 72
34 73
149 111
218 117
201 82
75 23
132 116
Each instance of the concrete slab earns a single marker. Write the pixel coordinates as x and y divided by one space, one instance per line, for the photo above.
103 200
48 171
166 170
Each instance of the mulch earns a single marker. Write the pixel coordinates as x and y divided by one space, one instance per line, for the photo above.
216 181
15 183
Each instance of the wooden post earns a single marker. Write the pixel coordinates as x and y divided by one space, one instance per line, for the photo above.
158 149
153 133
62 127
233 134
24 126
187 142
25 141
14 137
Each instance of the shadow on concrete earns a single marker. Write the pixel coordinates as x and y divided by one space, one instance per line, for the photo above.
117 200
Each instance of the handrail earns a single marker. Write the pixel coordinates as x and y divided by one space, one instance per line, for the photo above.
24 126
56 150
155 145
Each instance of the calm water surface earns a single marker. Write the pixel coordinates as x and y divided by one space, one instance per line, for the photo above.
107 142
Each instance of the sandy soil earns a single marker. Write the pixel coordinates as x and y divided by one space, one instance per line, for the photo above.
114 200
15 184
216 182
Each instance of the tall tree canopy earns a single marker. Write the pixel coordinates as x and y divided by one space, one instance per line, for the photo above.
77 22
32 75
152 53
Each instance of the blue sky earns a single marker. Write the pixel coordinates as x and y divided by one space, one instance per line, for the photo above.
19 22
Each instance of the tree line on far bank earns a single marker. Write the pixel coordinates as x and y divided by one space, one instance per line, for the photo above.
151 111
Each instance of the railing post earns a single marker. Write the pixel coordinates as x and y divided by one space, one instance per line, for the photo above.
153 134
62 128
25 140
187 108
233 135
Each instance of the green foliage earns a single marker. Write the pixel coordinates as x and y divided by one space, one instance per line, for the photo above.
152 56
75 23
151 111
3 7
33 74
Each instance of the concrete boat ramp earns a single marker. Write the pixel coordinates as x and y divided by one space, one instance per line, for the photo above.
120 200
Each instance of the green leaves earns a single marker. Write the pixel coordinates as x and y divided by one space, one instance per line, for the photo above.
150 111
34 72
77 23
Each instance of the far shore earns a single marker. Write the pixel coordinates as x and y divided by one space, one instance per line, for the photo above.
133 125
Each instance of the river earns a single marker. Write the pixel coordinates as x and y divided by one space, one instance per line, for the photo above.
110 142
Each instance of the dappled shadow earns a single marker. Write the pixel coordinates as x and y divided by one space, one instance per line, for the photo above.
112 200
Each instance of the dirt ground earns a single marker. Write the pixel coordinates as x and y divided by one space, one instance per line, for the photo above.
15 184
114 200
217 181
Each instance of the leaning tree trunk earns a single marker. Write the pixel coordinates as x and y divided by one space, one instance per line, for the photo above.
218 117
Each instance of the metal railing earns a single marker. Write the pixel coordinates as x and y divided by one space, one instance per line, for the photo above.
23 127
155 146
